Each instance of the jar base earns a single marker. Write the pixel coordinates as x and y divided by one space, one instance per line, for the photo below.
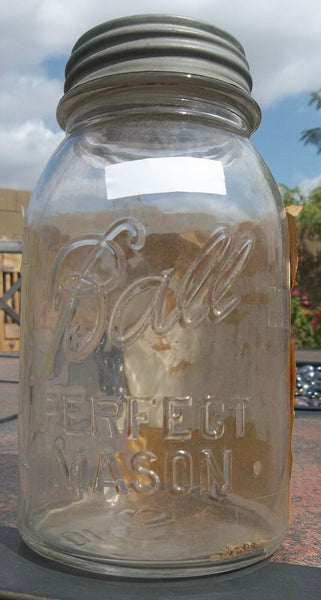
212 538
133 571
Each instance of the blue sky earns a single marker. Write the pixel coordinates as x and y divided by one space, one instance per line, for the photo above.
282 43
278 140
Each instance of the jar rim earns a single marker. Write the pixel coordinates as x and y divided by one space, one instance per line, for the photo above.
214 91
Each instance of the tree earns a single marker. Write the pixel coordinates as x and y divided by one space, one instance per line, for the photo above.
306 296
309 227
309 220
291 195
310 217
309 239
313 136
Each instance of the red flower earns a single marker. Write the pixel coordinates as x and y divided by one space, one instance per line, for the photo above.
305 303
307 313
295 293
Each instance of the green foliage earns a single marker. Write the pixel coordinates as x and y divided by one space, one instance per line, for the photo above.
306 323
315 98
313 136
309 220
291 195
306 298
310 217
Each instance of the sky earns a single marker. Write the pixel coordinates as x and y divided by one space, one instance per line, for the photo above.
282 40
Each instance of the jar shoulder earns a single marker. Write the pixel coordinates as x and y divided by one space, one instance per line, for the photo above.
76 177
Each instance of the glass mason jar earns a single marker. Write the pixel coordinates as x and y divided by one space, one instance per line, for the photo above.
155 407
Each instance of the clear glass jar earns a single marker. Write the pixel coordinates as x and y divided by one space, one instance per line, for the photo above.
155 406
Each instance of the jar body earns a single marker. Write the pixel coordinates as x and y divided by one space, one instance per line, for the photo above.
155 413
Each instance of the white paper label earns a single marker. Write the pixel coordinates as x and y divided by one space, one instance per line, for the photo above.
165 175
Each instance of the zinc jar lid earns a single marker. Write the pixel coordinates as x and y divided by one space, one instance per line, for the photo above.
155 44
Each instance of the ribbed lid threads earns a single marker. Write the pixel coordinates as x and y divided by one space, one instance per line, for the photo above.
158 44
124 40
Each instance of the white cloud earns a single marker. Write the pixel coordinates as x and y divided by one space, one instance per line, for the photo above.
307 185
24 152
281 39
28 96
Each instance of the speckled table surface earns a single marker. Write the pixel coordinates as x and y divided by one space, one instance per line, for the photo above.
302 546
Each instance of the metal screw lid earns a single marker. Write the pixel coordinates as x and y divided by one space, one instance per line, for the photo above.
155 44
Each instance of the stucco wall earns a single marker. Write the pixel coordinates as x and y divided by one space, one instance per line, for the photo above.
11 228
11 203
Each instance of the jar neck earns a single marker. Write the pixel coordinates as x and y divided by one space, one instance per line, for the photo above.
192 97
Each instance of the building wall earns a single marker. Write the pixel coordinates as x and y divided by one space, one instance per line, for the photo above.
11 228
11 203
